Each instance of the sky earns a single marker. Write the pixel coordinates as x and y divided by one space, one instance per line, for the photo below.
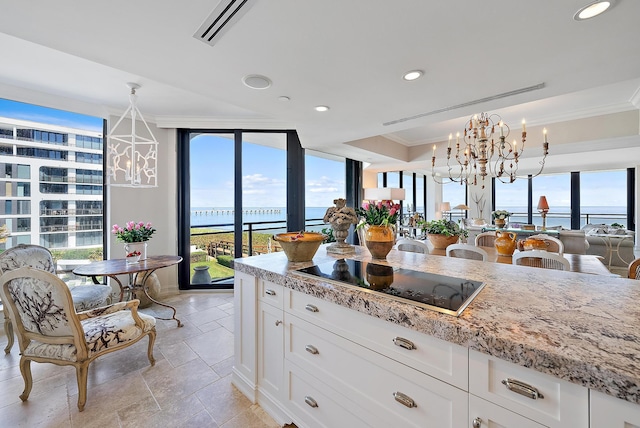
263 175
35 113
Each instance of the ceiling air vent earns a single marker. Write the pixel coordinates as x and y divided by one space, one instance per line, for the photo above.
468 103
222 19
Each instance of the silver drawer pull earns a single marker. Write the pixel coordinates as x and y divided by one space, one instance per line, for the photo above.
522 388
278 322
311 349
405 400
310 401
270 292
405 343
311 308
477 423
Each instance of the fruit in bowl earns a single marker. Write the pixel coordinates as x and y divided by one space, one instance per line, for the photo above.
299 246
133 257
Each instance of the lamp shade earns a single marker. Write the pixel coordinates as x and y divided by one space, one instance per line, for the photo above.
384 194
461 207
445 206
543 205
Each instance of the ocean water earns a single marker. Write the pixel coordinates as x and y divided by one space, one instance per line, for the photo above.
216 216
208 216
561 216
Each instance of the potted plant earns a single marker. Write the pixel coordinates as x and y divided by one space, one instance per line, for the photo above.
379 219
500 218
134 235
443 232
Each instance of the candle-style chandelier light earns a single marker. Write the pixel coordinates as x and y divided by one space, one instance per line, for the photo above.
483 153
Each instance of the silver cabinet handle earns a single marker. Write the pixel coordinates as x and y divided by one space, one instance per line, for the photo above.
405 400
311 308
270 292
311 349
310 401
522 388
404 343
278 322
477 422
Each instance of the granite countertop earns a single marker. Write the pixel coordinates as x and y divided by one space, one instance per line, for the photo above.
578 327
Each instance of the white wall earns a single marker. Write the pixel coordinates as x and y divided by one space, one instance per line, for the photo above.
157 205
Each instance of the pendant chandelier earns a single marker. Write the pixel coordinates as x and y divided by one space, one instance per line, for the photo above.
482 152
132 159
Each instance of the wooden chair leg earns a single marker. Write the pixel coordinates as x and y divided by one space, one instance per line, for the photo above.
8 329
81 375
25 369
152 339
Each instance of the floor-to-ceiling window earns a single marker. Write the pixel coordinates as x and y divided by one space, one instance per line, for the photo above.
556 188
234 190
455 194
603 197
420 195
51 182
325 181
512 197
408 205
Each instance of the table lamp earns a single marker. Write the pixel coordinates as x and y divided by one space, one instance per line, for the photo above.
543 209
445 207
461 207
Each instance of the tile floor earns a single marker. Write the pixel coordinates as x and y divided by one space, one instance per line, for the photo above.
189 386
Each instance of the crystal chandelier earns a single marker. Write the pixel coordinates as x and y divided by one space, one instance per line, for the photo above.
483 153
132 159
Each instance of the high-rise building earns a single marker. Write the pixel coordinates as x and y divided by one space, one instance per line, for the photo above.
51 185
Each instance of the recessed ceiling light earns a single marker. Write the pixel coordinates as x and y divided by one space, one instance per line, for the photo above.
413 75
256 81
592 9
283 98
321 108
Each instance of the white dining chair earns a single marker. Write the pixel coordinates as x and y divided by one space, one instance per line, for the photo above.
412 245
485 239
467 251
542 259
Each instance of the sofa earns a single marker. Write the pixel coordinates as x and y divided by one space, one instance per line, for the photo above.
621 240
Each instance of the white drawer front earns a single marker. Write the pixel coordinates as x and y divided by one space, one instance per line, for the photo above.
400 395
315 405
435 357
611 412
564 404
271 293
483 414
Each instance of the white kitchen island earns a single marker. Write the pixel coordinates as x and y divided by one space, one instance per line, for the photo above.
317 353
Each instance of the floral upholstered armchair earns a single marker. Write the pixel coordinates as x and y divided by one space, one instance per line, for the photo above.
50 331
84 296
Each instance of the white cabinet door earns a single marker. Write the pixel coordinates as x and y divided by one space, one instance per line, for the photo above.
611 412
245 352
270 351
484 414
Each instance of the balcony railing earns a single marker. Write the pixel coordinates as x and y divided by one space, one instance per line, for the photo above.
68 212
45 178
70 228
255 227
560 219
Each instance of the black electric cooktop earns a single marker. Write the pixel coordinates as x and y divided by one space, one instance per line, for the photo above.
446 294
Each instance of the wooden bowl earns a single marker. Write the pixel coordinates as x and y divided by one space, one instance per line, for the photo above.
299 246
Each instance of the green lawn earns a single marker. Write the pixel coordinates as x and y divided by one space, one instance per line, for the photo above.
215 270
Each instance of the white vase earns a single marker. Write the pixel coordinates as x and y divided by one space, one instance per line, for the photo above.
136 246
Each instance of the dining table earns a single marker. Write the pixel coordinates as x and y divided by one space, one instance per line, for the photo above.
113 267
583 263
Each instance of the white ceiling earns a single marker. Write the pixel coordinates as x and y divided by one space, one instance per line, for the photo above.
349 55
